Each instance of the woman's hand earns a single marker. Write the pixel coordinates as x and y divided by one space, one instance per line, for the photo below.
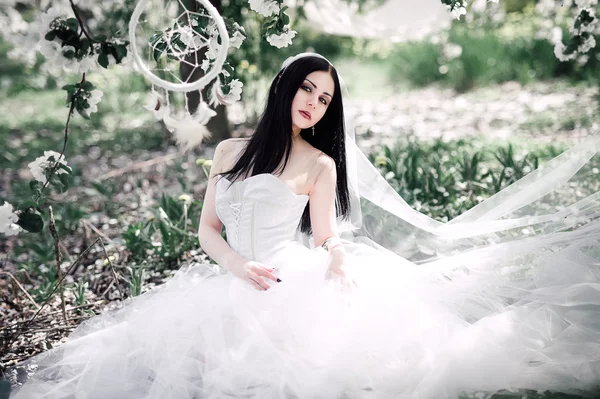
254 273
337 271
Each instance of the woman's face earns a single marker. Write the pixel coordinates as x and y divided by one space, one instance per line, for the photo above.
312 99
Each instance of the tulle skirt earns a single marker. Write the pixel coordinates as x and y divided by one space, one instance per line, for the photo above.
509 317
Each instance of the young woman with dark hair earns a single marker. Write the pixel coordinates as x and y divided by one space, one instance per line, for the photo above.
300 141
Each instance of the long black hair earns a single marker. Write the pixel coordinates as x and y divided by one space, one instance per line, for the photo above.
270 143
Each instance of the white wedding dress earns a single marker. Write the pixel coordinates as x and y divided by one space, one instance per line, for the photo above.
408 331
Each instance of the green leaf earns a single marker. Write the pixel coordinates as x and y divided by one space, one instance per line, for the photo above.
103 60
285 18
87 85
69 54
69 88
31 222
84 46
23 206
83 114
73 24
101 38
164 231
65 168
65 179
50 36
35 185
121 52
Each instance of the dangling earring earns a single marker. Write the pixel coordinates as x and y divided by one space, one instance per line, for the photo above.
313 130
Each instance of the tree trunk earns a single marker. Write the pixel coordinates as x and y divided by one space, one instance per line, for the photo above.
218 125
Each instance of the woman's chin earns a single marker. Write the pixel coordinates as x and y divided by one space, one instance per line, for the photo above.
302 125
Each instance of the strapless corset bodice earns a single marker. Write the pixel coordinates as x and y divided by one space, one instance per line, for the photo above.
260 213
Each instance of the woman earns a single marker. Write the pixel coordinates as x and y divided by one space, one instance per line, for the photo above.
306 102
278 326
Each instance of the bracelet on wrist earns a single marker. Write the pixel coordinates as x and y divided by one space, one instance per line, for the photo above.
328 243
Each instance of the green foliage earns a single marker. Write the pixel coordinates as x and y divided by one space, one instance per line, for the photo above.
136 279
138 241
416 63
68 217
490 54
78 290
166 237
443 179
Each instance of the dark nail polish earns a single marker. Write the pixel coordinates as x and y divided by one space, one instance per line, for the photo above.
279 280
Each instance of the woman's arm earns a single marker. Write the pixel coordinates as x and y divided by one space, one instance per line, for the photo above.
209 231
322 208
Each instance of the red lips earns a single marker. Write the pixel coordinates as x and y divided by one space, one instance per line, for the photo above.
305 114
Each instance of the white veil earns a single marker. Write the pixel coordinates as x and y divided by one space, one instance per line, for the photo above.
554 199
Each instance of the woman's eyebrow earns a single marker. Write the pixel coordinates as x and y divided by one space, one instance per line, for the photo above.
315 86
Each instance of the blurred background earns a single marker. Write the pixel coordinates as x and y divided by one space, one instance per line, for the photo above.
451 111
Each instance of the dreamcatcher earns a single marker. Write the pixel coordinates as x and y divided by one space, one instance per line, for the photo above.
181 47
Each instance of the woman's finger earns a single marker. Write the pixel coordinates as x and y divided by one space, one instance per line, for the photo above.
260 281
256 285
266 273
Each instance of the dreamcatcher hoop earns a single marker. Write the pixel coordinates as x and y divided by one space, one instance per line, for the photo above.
184 86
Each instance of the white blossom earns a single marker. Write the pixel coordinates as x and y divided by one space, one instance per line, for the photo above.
55 57
457 12
87 63
205 64
47 18
190 38
586 46
266 8
93 100
559 52
214 48
556 35
49 49
41 164
157 105
8 220
212 52
282 40
236 40
586 3
234 95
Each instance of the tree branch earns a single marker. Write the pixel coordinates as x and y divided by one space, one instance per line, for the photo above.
83 30
62 153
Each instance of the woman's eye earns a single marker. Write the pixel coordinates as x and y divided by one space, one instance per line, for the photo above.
305 88
323 100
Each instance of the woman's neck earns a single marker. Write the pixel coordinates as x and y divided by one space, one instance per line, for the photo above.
296 131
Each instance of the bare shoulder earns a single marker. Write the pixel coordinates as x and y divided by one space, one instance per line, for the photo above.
230 144
324 168
325 162
227 151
